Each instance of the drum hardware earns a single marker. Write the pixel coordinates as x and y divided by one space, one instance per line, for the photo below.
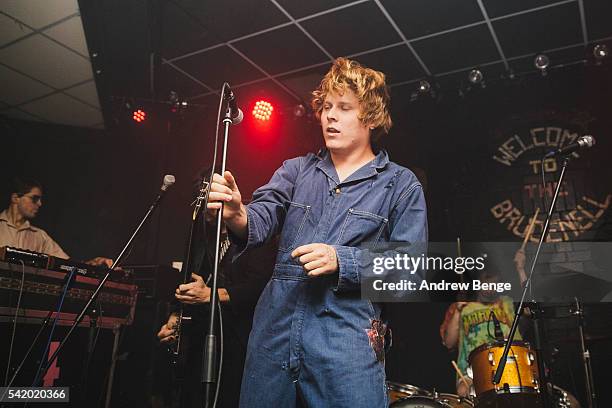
410 396
561 398
398 391
586 357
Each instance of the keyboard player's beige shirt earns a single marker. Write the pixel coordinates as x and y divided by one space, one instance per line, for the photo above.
28 237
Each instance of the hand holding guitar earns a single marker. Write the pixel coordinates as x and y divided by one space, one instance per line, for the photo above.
197 292
166 333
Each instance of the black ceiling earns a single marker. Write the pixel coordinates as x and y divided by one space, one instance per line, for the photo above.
285 45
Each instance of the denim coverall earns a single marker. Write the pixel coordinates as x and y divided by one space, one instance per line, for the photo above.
310 337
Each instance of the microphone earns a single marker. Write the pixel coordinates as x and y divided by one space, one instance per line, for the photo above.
235 112
499 334
168 181
583 142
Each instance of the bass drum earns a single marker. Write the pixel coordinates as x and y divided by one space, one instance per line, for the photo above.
437 401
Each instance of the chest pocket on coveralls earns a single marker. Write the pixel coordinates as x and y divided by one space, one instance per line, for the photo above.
297 215
361 226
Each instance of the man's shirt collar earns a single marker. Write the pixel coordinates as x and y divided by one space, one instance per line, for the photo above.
26 225
375 166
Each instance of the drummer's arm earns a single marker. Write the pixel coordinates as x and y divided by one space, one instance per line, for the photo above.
519 263
450 328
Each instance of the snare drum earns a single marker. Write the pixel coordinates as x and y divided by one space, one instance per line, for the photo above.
398 391
520 374
454 401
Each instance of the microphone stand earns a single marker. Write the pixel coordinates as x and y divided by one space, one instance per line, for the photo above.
209 358
586 358
42 328
96 292
94 313
534 308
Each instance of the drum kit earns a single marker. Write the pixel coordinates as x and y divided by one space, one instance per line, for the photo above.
409 396
519 385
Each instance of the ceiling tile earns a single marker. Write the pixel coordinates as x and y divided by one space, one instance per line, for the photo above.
18 88
304 82
281 50
541 30
120 32
169 79
86 92
352 30
17 113
458 49
219 65
598 14
51 63
38 14
181 33
243 17
10 30
213 22
60 108
496 8
417 18
299 9
70 33
247 95
398 63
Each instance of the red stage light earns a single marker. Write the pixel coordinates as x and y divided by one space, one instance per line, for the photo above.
139 115
263 110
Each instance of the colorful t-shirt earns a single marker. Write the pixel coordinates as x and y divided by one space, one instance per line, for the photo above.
476 326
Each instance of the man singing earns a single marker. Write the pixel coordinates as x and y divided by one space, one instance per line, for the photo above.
315 342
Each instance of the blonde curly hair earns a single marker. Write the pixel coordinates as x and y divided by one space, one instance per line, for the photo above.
369 87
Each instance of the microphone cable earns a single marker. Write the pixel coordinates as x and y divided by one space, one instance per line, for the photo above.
59 308
210 179
12 343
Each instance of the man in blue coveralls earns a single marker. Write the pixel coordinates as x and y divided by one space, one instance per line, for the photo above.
315 342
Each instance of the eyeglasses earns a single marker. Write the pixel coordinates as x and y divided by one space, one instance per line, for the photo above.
35 198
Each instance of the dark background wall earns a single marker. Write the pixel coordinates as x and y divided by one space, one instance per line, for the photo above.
99 183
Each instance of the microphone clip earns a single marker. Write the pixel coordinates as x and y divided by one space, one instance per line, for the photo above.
233 113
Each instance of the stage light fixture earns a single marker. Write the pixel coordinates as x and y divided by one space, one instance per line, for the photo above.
541 62
600 52
299 110
425 89
263 110
176 104
476 77
424 86
139 115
